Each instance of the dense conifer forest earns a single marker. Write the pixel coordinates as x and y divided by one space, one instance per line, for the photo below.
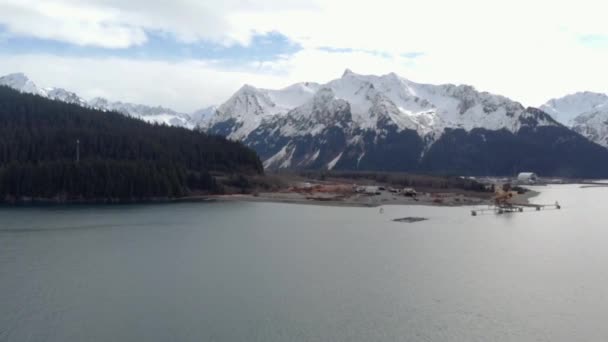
58 151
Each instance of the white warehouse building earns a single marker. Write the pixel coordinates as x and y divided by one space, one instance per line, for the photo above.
527 177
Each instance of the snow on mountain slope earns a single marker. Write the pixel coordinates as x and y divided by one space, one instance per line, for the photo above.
321 111
249 106
584 112
202 116
593 125
567 108
294 95
428 109
432 108
22 83
147 113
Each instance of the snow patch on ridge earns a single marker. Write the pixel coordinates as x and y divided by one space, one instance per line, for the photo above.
332 164
281 159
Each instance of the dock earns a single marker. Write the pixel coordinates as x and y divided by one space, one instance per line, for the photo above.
514 208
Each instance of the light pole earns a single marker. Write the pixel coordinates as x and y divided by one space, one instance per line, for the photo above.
77 151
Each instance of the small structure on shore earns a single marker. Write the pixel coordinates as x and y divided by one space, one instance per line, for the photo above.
527 177
409 192
306 185
368 190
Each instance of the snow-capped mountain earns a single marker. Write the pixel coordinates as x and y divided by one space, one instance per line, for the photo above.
584 112
357 121
428 109
249 106
146 113
22 83
389 123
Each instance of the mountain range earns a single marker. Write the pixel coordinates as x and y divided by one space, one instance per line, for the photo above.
22 83
389 123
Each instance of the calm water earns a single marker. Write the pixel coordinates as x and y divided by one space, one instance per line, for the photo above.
274 272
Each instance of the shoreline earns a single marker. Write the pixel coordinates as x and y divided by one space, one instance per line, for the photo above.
446 199
525 198
359 201
436 199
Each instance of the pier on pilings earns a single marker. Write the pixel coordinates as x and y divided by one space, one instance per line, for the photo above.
514 208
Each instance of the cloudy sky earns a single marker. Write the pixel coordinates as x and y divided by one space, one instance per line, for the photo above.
188 54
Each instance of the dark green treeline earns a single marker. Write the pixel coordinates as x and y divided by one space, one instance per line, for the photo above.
120 157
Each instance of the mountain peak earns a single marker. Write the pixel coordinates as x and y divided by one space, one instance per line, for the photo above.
347 72
591 93
17 77
581 96
567 108
392 75
585 112
247 88
20 82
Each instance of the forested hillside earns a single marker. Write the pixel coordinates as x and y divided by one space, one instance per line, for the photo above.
548 151
121 158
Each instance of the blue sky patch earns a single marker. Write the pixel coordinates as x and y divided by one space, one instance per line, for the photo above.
264 47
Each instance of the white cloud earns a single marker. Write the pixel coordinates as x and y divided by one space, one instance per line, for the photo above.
381 25
527 50
120 24
76 24
413 25
185 86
